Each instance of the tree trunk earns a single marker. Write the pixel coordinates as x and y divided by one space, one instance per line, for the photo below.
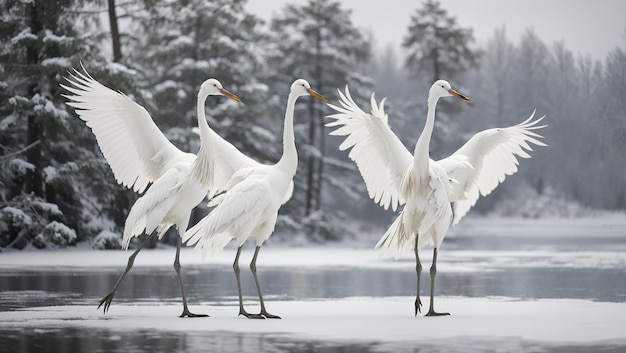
319 122
313 170
34 180
436 69
320 160
310 183
115 33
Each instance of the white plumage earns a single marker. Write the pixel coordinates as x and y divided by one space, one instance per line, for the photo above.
139 154
249 204
132 144
484 161
395 177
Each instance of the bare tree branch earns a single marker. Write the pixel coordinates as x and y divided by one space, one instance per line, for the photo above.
20 151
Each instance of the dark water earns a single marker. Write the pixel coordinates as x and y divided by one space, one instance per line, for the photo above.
215 284
22 289
77 340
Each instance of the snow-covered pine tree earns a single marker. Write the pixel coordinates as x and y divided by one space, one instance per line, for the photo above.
317 41
437 46
50 169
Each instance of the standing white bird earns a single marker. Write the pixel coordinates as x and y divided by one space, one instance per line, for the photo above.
139 154
250 202
395 177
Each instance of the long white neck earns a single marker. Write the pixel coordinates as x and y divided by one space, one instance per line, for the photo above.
421 154
289 159
202 168
205 131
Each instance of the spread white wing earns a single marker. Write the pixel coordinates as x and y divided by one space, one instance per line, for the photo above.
378 153
484 161
132 144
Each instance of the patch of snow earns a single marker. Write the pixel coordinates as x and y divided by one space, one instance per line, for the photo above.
25 34
107 240
8 121
60 62
20 166
55 234
50 173
47 208
16 216
119 69
46 107
49 36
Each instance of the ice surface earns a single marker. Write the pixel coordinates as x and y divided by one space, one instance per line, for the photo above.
360 319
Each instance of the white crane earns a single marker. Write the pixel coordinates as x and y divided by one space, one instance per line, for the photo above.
248 206
426 188
139 154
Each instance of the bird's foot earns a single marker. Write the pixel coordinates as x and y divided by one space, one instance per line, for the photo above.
432 312
418 305
187 313
268 315
251 316
106 301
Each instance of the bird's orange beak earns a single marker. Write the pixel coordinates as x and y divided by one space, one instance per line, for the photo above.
458 95
230 95
316 95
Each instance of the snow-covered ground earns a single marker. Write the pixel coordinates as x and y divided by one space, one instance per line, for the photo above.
370 323
380 320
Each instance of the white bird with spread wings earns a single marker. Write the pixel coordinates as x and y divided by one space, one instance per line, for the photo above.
139 155
394 176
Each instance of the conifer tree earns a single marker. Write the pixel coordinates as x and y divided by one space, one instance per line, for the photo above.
317 41
50 168
437 46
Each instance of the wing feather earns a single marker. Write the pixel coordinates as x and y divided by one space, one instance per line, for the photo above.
379 154
235 214
484 161
228 160
149 210
132 144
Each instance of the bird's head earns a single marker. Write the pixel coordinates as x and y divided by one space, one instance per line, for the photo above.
441 88
213 87
301 87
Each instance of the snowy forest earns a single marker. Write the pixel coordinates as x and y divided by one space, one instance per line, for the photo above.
57 190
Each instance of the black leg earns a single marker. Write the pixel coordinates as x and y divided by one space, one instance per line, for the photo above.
418 270
186 312
131 260
242 311
433 273
258 286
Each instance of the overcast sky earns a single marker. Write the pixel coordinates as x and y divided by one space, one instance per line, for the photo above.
586 26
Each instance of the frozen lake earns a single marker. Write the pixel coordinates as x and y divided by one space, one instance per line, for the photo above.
510 287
